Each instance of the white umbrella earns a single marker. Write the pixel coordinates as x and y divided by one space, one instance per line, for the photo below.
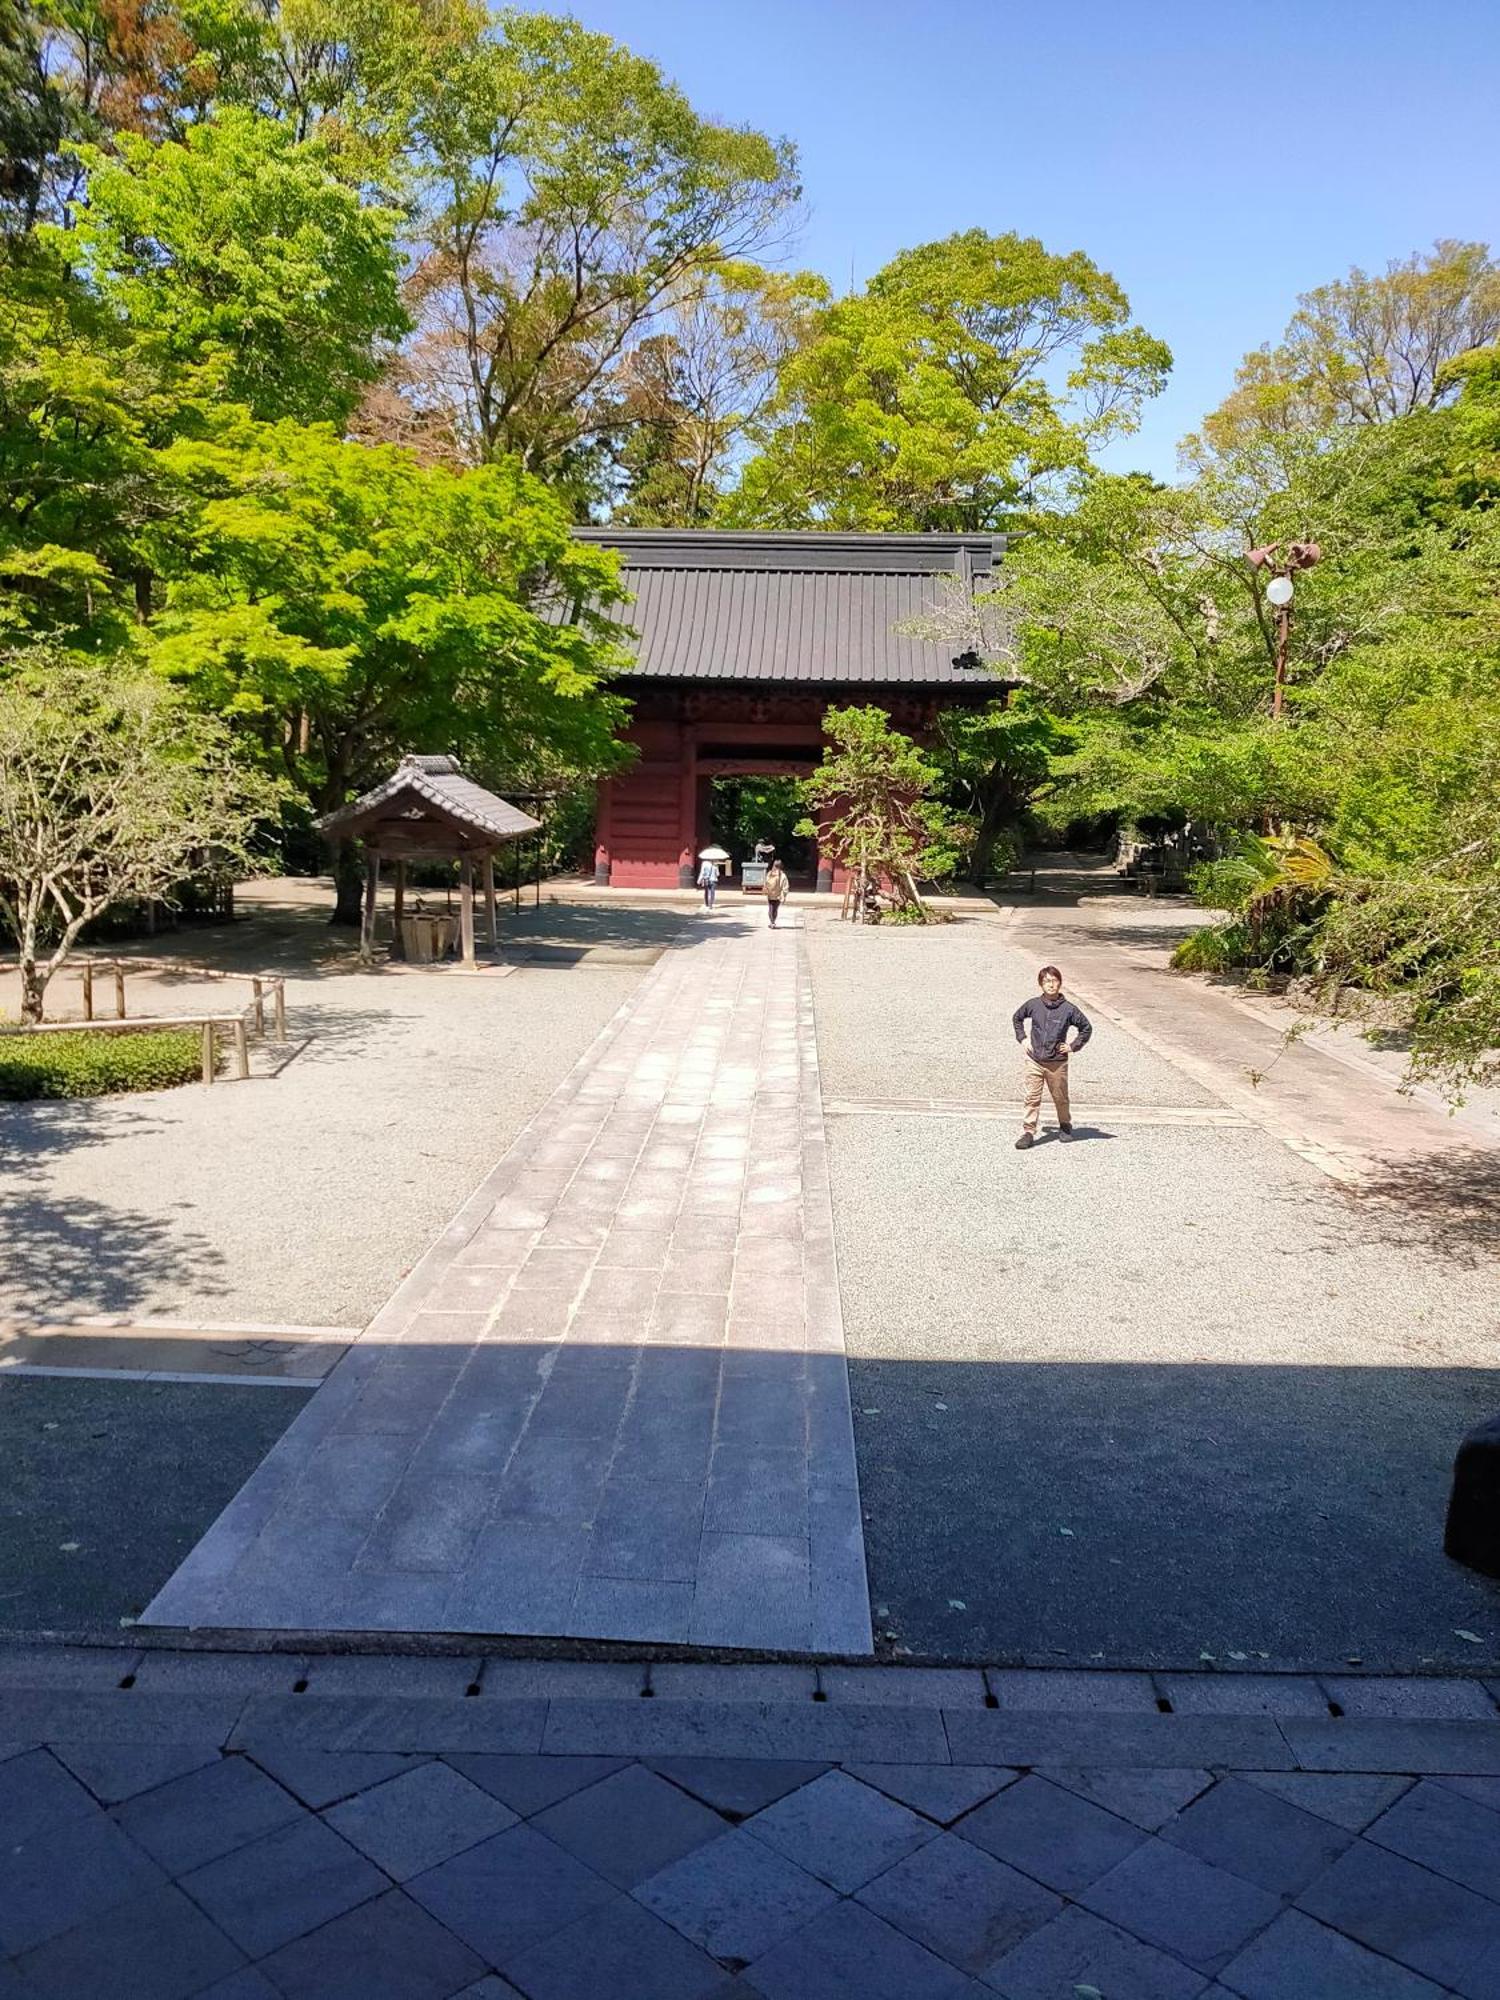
713 854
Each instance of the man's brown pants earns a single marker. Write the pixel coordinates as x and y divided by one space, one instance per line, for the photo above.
1051 1076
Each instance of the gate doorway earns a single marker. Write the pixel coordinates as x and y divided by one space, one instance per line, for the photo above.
743 810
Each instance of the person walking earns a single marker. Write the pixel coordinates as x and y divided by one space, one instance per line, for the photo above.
1048 1016
777 887
708 882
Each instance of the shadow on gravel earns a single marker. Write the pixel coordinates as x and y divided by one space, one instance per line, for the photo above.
1445 1202
75 1256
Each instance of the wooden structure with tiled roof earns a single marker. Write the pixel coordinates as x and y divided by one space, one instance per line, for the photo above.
741 642
428 807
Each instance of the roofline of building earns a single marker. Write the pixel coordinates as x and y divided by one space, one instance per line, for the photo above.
716 548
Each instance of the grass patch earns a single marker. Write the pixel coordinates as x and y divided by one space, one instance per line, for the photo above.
97 1065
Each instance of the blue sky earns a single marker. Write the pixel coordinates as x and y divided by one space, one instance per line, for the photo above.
1218 159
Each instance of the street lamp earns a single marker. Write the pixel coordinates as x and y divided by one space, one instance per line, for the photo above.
1280 592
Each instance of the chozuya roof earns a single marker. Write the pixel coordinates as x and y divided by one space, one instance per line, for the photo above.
714 605
432 788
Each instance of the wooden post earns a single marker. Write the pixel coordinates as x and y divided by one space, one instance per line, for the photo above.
489 899
119 992
399 946
280 1007
241 1050
367 920
209 1052
88 990
466 909
259 1004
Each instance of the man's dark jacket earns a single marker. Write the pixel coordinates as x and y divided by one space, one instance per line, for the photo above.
1050 1021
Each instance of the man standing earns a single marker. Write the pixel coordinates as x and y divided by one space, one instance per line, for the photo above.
1049 1018
776 888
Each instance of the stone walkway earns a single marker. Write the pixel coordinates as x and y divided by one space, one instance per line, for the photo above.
612 1401
178 1824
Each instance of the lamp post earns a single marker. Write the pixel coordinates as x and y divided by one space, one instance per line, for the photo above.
1280 593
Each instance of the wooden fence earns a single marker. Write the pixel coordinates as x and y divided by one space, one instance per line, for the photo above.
215 1028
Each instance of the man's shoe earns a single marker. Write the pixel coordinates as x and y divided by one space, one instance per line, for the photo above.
1064 1131
1024 1141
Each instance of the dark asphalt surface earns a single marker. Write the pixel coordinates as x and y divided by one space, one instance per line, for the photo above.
107 1485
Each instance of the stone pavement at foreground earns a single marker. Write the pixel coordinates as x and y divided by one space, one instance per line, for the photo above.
612 1401
178 1824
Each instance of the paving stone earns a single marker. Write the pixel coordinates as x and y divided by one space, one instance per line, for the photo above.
217 1673
1053 1691
74 1870
283 1885
840 1830
448 1677
412 1822
1436 1927
1077 1951
1185 1906
37 1793
153 1947
561 1680
644 1609
622 1951
960 1903
1370 1743
1345 1799
1243 1694
509 1893
389 1723
210 1812
115 1772
849 1950
389 1949
672 1682
927 1687
530 1784
491 1987
737 1786
1297 1956
822 1730
88 1717
629 1825
247 1984
1052 1834
1121 1741
1147 1799
938 1791
322 1777
65 1667
1412 1697
736 1898
1452 1835
1257 1837
1483 1791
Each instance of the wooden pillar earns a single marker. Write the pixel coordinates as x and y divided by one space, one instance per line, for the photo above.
489 900
398 944
119 992
466 910
367 918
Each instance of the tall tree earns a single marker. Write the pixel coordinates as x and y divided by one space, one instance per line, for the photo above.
955 389
571 202
1368 349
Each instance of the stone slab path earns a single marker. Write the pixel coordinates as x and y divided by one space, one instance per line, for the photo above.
612 1401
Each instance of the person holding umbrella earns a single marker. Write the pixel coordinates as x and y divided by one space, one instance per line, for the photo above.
708 873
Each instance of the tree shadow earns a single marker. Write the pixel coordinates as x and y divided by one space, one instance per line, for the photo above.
69 1255
1445 1202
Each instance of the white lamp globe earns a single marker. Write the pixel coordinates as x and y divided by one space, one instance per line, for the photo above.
1279 591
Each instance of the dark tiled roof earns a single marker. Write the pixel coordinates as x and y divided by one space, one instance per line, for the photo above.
439 783
726 606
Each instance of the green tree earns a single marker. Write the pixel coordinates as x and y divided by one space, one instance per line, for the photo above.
873 811
341 604
112 790
968 377
995 763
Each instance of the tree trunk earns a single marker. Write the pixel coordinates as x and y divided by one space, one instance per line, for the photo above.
348 885
33 989
984 840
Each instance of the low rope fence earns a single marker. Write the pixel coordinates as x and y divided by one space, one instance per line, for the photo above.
267 989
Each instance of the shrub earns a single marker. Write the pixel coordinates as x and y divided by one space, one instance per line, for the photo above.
1224 885
1217 948
94 1065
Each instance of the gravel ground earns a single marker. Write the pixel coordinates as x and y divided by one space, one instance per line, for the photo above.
1148 1396
304 1199
926 1013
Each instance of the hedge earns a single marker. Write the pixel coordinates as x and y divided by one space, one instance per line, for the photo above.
93 1065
